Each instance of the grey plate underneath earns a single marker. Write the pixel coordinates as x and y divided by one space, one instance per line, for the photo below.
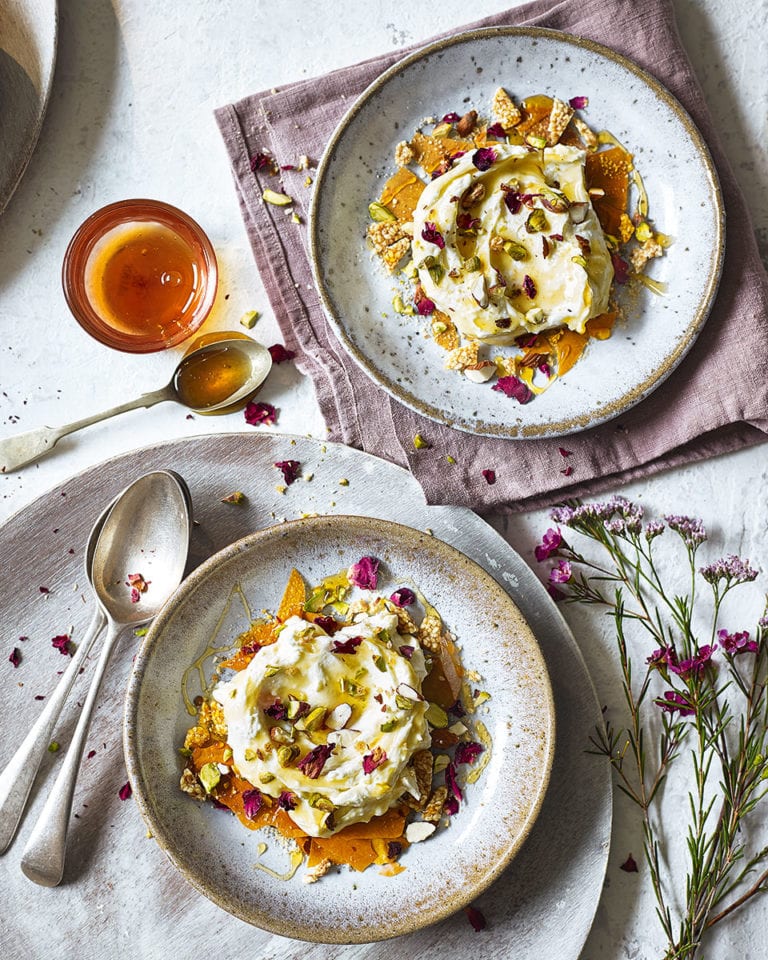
541 907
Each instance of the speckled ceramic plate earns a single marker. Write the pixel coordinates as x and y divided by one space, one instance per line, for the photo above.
219 856
463 72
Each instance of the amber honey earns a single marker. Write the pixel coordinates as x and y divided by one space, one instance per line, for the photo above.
140 275
206 379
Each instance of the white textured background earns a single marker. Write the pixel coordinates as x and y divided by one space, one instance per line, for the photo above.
131 115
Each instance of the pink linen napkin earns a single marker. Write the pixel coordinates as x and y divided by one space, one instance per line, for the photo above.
718 400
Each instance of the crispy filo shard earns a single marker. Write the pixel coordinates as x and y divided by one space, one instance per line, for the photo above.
505 110
390 240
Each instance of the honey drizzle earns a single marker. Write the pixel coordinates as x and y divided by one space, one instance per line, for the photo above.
198 665
296 857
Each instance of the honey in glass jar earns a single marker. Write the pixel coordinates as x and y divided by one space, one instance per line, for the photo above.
140 276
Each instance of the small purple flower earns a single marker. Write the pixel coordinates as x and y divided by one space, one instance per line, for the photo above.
734 643
550 544
695 665
689 529
654 529
732 569
564 515
662 658
674 702
431 234
561 573
484 158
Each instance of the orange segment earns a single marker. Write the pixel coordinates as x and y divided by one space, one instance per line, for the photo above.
294 598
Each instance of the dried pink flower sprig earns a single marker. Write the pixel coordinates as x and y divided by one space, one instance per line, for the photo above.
689 693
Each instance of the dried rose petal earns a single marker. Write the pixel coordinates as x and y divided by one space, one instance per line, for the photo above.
261 161
91 755
287 800
15 657
476 918
513 200
431 234
43 590
329 624
563 452
220 806
280 354
578 103
135 595
484 158
62 644
490 476
346 646
403 597
277 710
465 221
451 806
451 782
567 471
452 117
425 307
312 764
252 803
406 650
629 865
257 413
620 268
526 340
364 573
555 236
468 752
529 286
456 154
545 368
125 791
289 469
513 387
496 130
373 760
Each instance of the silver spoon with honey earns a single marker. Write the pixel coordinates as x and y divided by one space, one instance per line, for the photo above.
215 378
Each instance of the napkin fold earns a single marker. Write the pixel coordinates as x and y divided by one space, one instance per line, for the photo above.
716 402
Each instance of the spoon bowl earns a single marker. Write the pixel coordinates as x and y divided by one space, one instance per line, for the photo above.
145 533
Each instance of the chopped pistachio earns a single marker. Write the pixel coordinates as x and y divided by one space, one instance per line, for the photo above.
185 751
441 130
276 199
319 802
537 221
403 702
226 755
517 251
280 735
643 232
286 755
141 632
388 726
554 201
480 698
397 303
350 687
419 442
313 720
381 663
53 746
439 327
308 182
450 459
266 777
441 762
237 497
270 670
472 264
410 271
295 218
248 320
251 754
534 141
580 260
436 716
209 776
378 212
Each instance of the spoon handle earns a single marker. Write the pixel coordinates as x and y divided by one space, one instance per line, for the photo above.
43 857
18 776
26 448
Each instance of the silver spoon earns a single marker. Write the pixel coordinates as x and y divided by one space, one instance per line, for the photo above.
18 776
146 531
26 448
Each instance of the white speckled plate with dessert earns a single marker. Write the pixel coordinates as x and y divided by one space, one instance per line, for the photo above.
661 309
443 873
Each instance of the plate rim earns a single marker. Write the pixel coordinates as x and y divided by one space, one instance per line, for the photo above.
606 410
9 188
263 919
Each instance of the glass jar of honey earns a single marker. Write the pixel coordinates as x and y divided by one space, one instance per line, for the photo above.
140 276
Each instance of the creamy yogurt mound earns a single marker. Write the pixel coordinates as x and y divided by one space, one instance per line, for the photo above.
286 702
523 249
